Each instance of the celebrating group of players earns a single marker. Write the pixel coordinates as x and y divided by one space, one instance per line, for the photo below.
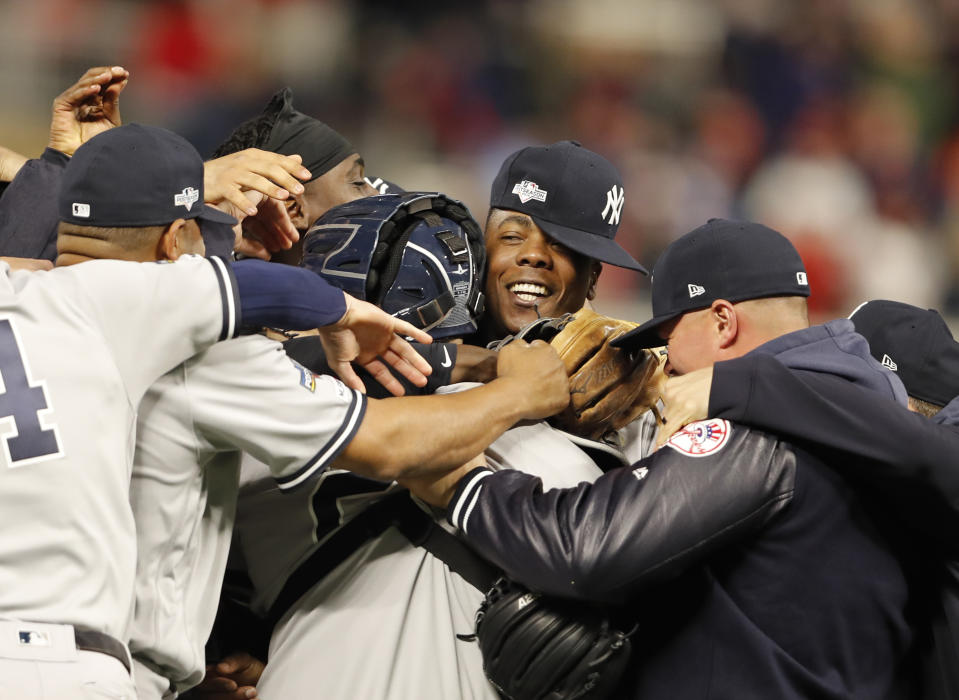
169 426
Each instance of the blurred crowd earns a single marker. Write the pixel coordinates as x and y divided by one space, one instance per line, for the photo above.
834 121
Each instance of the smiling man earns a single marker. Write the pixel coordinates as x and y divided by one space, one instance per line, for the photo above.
554 211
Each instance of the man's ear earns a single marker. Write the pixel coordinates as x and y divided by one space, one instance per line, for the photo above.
169 246
296 209
594 272
725 322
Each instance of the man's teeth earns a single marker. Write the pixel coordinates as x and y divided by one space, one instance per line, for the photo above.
529 292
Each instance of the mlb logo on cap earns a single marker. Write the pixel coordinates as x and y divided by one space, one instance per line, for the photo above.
33 638
81 210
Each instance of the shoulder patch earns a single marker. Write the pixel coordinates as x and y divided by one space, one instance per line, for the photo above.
701 438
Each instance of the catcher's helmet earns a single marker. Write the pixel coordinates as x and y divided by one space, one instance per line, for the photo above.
417 255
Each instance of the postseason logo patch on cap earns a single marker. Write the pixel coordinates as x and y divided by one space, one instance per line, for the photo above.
527 190
187 198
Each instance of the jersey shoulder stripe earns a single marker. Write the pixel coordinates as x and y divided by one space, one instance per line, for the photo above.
333 446
230 296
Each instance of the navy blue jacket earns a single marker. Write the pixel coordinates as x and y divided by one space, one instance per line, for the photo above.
753 568
913 465
28 208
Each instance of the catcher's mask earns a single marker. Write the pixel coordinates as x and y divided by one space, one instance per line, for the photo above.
417 255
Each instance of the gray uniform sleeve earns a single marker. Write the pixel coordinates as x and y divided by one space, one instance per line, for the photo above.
154 316
247 394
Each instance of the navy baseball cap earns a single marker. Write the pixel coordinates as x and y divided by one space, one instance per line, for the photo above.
914 343
574 195
135 175
731 260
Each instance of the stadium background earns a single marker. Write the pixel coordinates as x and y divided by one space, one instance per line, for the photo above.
835 121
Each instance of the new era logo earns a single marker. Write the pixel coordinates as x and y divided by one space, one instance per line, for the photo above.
889 363
695 290
81 210
801 279
187 198
527 190
615 199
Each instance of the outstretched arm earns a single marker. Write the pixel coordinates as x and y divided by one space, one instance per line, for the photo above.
414 435
629 529
10 164
352 330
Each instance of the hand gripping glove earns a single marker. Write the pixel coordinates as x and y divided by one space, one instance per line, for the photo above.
609 387
543 648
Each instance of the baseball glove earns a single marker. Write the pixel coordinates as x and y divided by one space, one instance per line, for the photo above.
609 387
541 648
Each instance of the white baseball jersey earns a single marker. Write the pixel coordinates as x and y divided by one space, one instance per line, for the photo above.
383 624
78 348
242 395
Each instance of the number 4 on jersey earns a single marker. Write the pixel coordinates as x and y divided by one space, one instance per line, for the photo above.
22 400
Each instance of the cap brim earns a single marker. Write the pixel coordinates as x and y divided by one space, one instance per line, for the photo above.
589 244
208 213
646 335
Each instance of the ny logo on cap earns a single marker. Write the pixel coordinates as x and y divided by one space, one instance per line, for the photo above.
695 290
889 363
186 198
615 199
527 190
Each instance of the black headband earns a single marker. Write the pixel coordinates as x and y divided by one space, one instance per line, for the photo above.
321 147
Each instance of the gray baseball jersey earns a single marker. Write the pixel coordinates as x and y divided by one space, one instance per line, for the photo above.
78 348
391 610
242 395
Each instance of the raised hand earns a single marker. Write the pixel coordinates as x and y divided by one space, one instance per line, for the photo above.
88 107
252 170
372 338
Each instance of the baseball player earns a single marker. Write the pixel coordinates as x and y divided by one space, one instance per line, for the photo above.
905 457
554 213
767 563
67 546
336 169
403 641
194 422
67 549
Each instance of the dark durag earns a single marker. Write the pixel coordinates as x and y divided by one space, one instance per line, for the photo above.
321 147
